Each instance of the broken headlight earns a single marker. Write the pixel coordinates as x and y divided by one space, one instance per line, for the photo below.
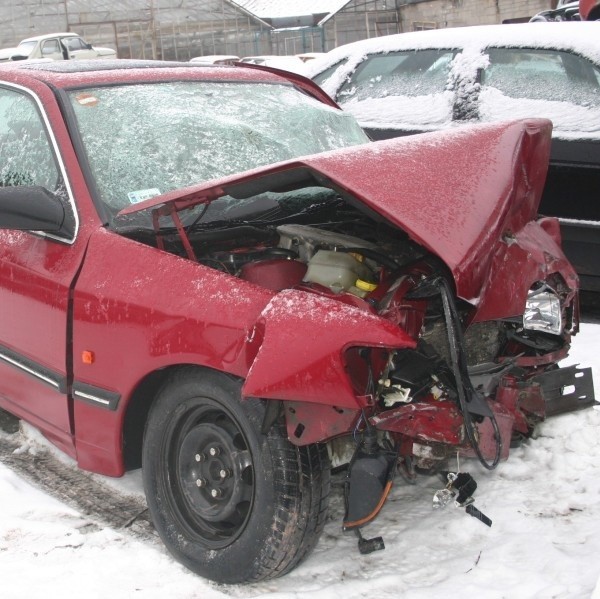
543 311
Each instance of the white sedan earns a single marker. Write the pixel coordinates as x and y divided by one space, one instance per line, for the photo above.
55 46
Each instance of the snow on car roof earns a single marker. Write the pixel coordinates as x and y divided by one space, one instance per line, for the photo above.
70 66
574 36
37 38
74 72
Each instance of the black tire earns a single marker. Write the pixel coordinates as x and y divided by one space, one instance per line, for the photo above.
230 503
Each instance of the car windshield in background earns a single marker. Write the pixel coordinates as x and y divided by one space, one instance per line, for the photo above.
410 73
25 48
410 87
167 136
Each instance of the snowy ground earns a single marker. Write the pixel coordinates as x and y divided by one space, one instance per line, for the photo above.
544 542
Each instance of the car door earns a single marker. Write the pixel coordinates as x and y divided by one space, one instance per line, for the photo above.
52 49
36 274
78 49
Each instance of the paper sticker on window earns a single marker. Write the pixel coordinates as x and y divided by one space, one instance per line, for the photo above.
135 197
86 99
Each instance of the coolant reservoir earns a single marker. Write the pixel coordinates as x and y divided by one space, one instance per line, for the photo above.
362 288
337 270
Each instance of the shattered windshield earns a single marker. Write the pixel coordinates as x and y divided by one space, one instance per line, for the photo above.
148 139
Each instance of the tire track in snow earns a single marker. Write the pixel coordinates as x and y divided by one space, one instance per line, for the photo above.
78 490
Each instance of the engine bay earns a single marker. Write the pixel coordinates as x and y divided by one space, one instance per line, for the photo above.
323 241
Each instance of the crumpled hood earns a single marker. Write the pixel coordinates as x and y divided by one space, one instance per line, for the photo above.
458 193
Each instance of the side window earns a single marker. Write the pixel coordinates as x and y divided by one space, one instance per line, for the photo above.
543 75
26 156
73 43
50 47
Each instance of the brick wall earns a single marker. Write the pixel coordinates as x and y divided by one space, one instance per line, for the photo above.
457 13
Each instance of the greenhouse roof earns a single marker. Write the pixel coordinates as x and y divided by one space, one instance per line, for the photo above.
272 9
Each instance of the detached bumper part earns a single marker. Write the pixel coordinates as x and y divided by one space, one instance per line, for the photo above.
566 389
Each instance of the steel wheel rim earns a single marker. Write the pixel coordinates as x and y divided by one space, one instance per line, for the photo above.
210 473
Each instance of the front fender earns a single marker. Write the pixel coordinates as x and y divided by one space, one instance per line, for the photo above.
304 337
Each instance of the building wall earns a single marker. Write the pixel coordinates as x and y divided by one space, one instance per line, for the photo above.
361 19
458 13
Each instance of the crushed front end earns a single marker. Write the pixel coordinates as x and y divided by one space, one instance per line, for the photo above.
408 323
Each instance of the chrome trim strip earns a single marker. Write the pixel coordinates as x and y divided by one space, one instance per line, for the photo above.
96 396
58 156
34 373
83 395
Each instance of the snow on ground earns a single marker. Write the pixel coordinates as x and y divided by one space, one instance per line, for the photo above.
544 542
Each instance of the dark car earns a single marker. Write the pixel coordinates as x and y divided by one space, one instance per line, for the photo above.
211 273
580 10
564 11
441 79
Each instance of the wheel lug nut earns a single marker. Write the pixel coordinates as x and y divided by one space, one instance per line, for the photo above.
201 482
216 493
200 457
224 473
214 451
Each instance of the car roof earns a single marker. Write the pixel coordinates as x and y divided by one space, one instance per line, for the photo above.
80 73
38 38
579 37
72 74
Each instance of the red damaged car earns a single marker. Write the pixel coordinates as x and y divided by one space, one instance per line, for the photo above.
209 272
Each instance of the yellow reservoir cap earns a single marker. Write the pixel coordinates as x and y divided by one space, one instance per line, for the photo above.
365 286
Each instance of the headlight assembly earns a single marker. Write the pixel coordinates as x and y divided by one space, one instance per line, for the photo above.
543 311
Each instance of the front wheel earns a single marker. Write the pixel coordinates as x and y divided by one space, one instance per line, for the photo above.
230 503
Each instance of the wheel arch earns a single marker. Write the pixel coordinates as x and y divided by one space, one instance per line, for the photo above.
139 406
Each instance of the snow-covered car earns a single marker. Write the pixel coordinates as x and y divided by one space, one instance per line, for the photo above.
430 80
55 46
213 274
